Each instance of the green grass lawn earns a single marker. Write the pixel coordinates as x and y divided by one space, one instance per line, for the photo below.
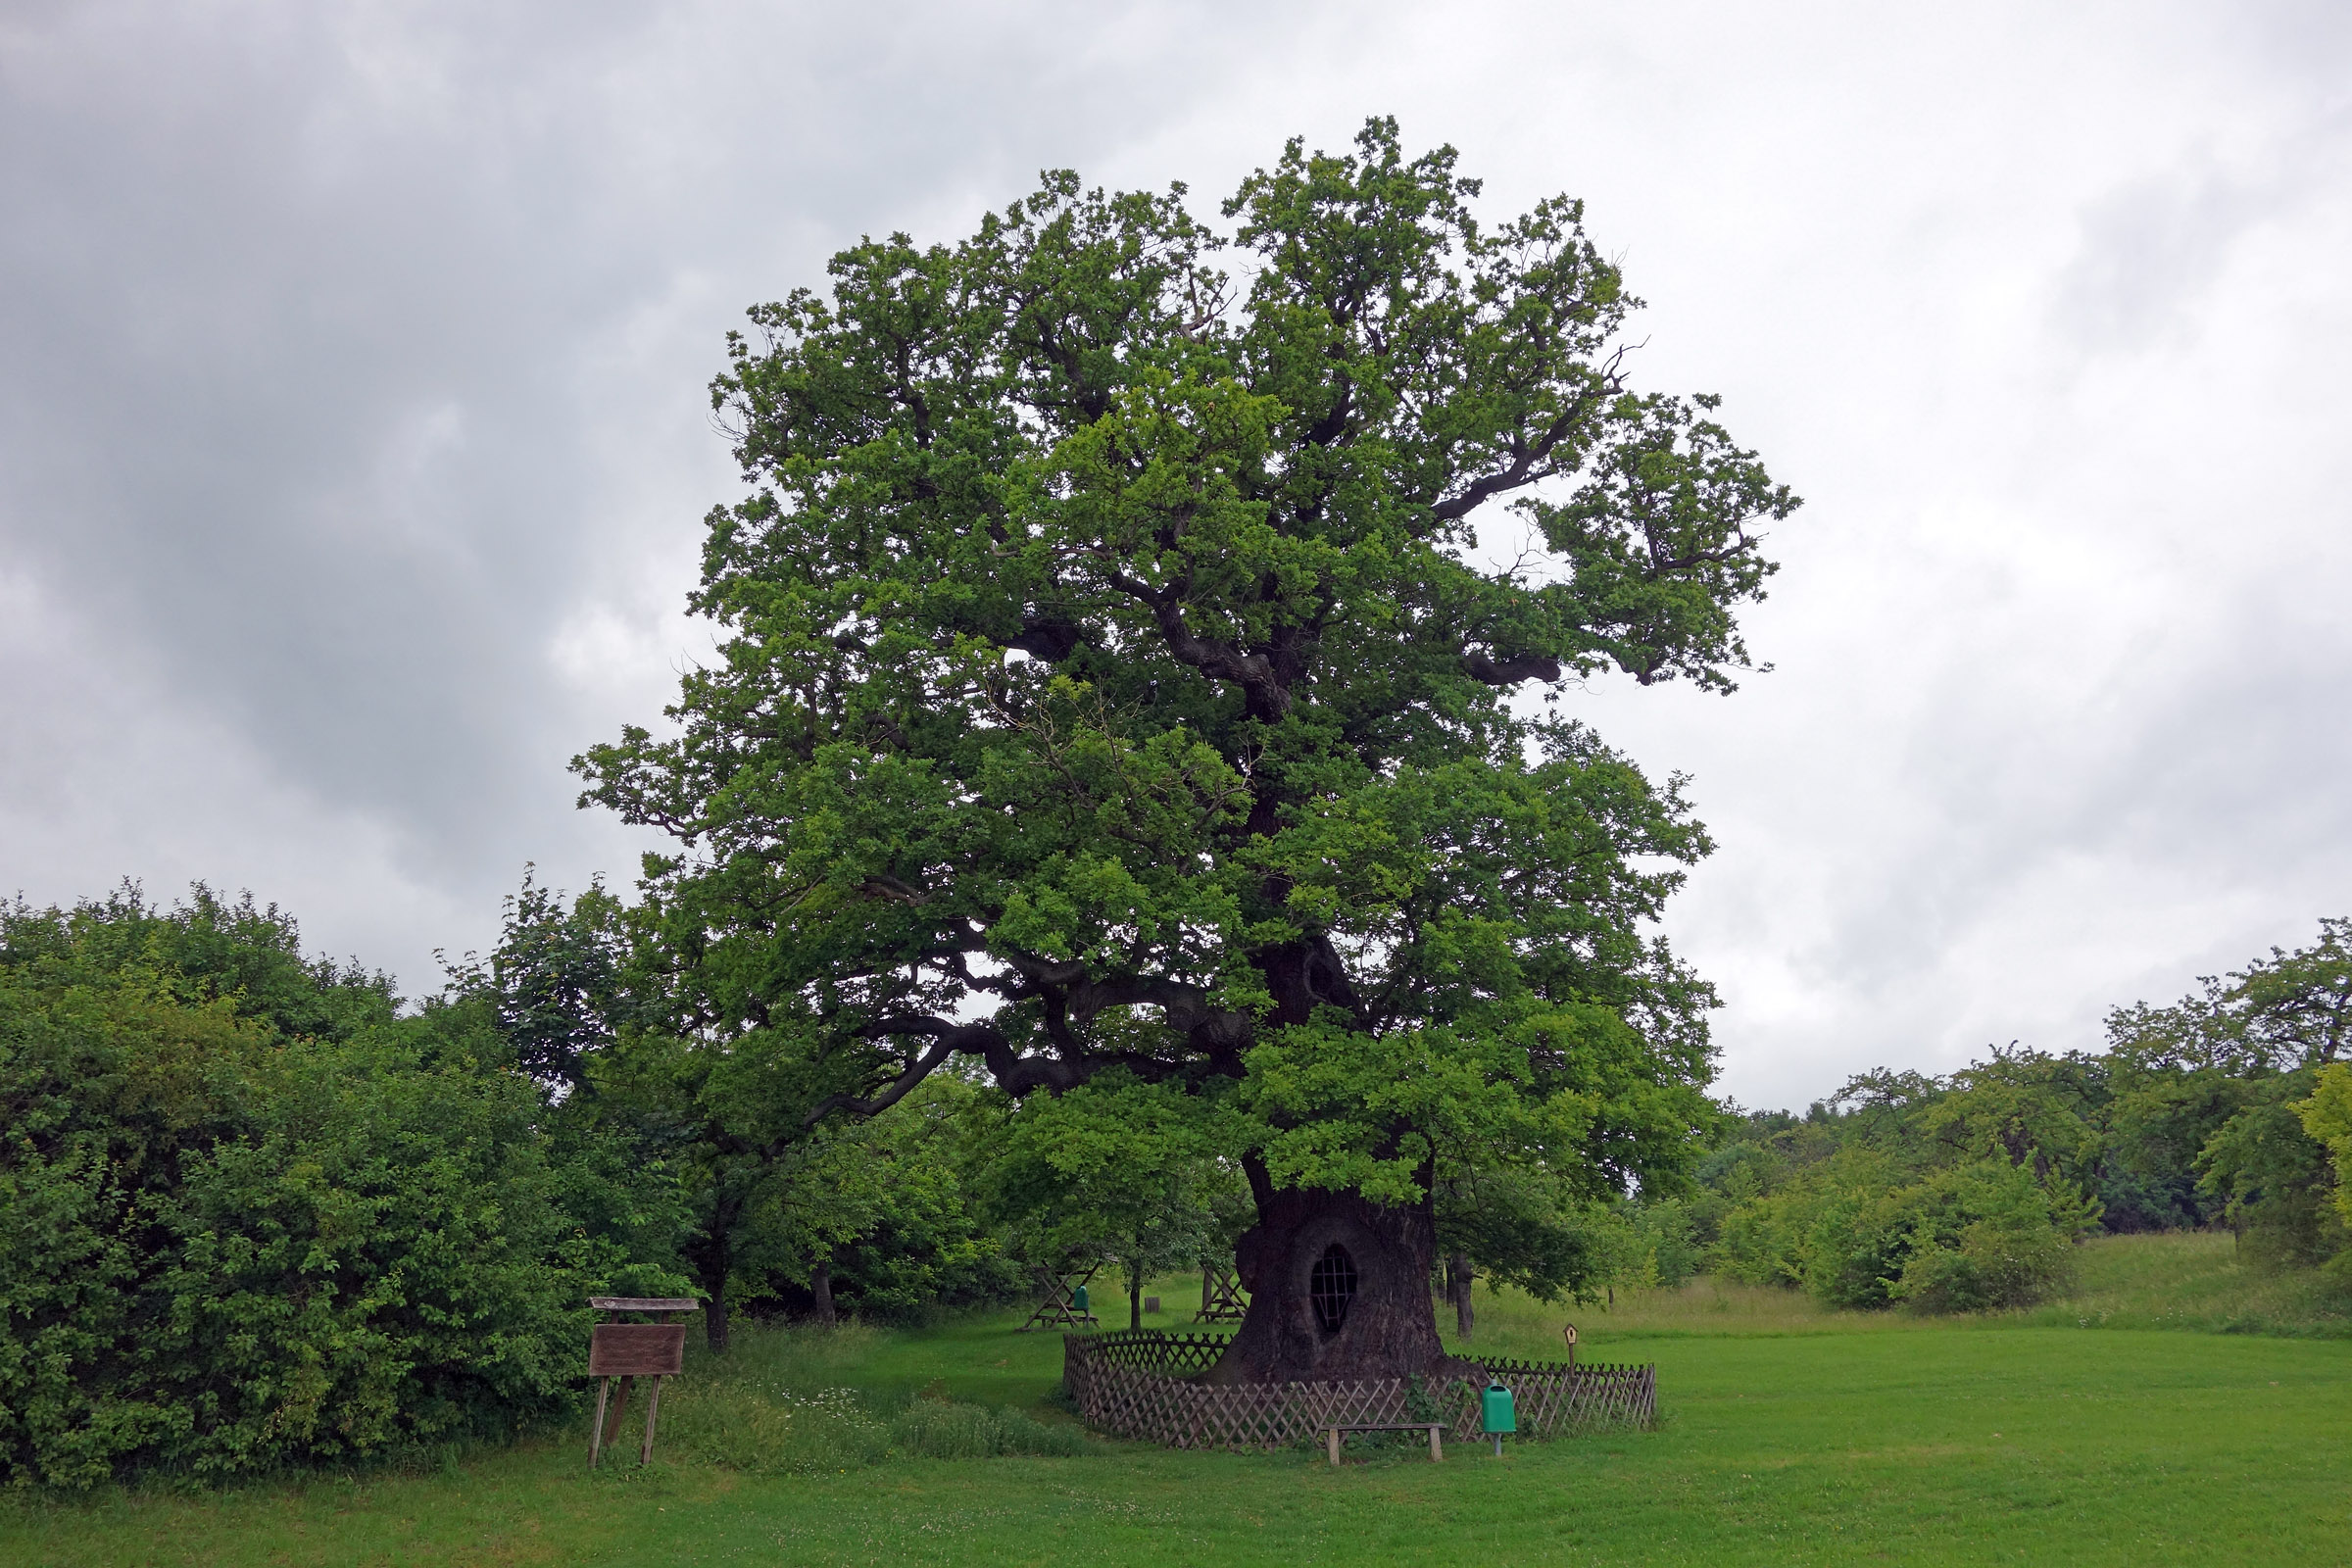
1792 1435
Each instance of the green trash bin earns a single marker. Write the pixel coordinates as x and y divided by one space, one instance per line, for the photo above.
1497 1414
1078 1299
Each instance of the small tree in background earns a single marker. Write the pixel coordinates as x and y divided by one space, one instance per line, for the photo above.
1133 1173
877 1217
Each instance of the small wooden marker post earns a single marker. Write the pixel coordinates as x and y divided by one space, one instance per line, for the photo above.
629 1351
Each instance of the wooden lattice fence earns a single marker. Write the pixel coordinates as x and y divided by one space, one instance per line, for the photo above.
1138 1384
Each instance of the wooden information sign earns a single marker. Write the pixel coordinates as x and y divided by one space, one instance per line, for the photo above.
637 1350
629 1351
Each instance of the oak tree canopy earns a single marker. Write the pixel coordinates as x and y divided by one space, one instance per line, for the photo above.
1132 641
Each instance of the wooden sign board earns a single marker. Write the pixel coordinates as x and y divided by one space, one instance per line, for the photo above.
637 1350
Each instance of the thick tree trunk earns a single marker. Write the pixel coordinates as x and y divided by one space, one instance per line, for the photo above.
820 1284
1135 1301
715 1311
1457 1287
1338 1289
713 1261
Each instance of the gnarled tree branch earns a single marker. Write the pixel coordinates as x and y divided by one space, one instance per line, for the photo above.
1482 666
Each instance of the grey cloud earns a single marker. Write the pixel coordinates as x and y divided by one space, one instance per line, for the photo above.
301 305
352 443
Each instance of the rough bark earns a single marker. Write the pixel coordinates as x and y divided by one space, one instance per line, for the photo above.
1458 1290
821 1285
713 1259
1387 1329
715 1310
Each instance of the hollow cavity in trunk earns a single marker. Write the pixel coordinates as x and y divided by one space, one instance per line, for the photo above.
1339 1290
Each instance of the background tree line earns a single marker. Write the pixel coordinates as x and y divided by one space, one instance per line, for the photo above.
2231 1108
254 1210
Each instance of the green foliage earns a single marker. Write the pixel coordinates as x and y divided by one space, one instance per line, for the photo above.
2326 1116
2159 1122
1113 682
1141 1174
555 984
1518 1226
1654 1244
890 1207
1986 1236
203 951
2286 1011
224 1246
1961 1193
1520 1230
879 1213
2273 1177
1860 1230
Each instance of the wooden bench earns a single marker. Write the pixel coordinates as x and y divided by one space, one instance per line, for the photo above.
1332 1430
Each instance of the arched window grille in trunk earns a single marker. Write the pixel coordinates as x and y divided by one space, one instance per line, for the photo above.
1331 1286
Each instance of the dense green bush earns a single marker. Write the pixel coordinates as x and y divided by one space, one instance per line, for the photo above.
1858 1230
1987 1235
2327 1117
2273 1177
227 1246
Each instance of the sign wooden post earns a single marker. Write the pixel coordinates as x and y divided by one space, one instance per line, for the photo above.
628 1351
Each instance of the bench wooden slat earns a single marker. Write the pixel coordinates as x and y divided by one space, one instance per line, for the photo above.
1333 1429
1382 1426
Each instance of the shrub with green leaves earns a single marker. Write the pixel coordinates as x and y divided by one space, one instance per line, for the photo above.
1861 1230
1988 1236
227 1248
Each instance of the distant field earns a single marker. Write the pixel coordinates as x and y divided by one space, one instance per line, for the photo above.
1792 1436
2178 1282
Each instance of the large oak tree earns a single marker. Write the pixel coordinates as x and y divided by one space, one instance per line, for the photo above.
1130 676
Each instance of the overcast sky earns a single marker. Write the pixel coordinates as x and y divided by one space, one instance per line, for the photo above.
353 443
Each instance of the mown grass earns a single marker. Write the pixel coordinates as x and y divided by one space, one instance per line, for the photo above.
1792 1436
